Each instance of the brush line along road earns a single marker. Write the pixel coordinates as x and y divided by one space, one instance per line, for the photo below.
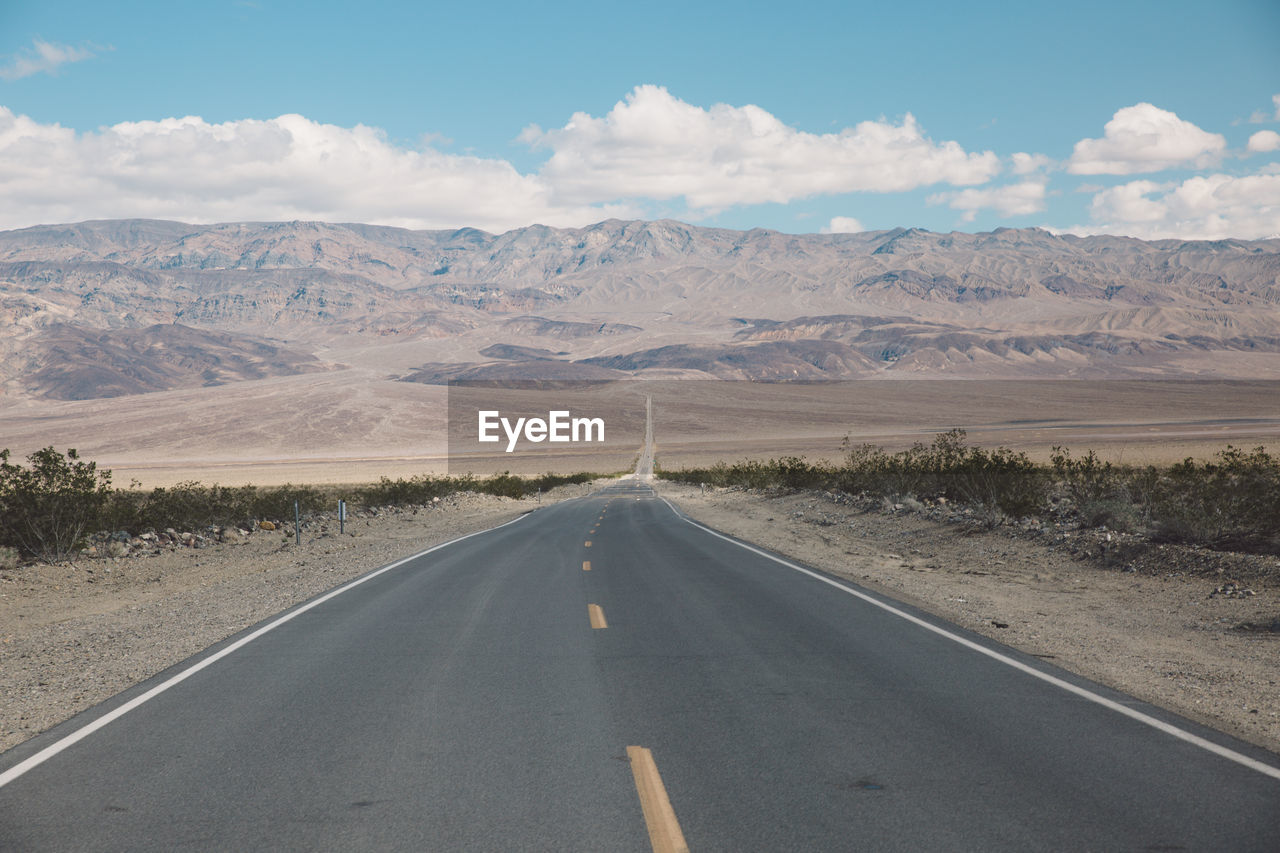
658 688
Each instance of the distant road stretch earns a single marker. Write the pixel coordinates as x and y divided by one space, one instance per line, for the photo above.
603 674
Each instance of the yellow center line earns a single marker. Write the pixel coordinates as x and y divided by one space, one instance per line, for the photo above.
596 615
586 565
586 544
664 830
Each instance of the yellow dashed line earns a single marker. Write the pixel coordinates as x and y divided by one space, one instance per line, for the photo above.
664 830
596 615
586 565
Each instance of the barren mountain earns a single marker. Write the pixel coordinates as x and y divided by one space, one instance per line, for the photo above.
75 363
81 306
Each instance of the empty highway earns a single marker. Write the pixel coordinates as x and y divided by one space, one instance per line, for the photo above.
603 674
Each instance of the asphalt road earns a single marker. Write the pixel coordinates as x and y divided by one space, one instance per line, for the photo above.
464 701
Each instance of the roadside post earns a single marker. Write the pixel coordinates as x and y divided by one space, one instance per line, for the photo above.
342 517
297 525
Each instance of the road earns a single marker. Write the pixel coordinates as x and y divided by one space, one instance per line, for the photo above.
604 675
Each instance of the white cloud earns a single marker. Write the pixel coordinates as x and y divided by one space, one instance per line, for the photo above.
283 168
655 146
1259 116
1012 200
1264 140
1026 164
45 57
1209 208
1144 138
843 225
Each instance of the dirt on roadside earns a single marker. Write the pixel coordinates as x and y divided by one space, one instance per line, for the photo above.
1165 628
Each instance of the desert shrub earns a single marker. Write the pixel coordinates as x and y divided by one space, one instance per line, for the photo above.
549 481
1086 479
422 488
45 509
793 472
505 485
749 474
419 489
192 506
789 472
712 476
1102 495
1118 514
999 479
869 469
277 502
1232 502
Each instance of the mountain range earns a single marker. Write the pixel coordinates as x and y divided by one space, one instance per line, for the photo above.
113 308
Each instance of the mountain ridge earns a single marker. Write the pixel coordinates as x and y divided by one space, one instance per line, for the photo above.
619 295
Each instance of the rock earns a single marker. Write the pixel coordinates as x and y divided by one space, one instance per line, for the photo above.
1231 589
266 525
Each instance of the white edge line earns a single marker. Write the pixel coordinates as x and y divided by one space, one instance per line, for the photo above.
1168 728
80 734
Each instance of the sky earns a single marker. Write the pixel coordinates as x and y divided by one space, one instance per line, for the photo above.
1149 119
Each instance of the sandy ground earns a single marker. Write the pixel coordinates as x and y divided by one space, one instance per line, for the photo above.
357 425
1161 636
72 635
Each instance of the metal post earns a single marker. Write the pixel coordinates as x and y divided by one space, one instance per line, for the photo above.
297 524
342 517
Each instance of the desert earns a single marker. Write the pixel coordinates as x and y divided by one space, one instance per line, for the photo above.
315 352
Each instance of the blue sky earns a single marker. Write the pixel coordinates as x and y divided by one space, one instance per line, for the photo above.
1146 118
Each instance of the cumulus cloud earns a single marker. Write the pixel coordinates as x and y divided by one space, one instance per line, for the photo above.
1264 140
1145 138
1259 116
653 145
1012 200
843 225
1210 207
42 57
283 168
1026 164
